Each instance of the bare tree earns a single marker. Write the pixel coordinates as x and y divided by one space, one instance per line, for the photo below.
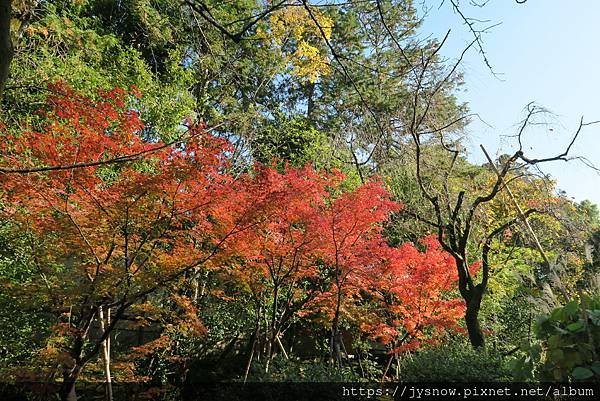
455 216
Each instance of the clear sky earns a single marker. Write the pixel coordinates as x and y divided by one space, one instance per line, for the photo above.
548 52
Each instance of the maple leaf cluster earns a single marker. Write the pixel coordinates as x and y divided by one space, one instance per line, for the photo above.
413 293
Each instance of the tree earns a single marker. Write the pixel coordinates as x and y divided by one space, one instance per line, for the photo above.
352 226
278 261
147 222
109 235
455 214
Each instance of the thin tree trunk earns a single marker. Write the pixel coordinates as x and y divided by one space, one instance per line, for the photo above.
281 347
6 46
272 330
336 352
196 287
387 367
311 102
106 353
249 364
254 345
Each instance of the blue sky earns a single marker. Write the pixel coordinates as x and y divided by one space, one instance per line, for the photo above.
547 52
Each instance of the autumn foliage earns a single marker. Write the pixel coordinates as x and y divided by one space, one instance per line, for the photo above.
412 302
123 228
119 216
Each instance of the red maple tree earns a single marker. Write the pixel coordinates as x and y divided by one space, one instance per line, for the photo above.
353 248
111 226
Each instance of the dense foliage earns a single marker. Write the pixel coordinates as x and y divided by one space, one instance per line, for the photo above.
197 191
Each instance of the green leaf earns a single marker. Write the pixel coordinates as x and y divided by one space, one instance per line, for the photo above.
557 315
536 351
596 367
558 374
575 327
580 373
572 359
541 321
571 308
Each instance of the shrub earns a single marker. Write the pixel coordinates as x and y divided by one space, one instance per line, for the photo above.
568 344
454 362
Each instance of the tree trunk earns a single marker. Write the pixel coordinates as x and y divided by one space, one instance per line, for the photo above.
67 388
273 330
253 344
6 47
106 353
311 102
472 317
336 335
251 356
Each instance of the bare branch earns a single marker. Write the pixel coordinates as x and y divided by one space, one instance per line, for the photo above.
202 9
116 160
352 82
476 34
562 156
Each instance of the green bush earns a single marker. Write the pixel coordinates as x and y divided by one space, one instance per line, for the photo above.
454 362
